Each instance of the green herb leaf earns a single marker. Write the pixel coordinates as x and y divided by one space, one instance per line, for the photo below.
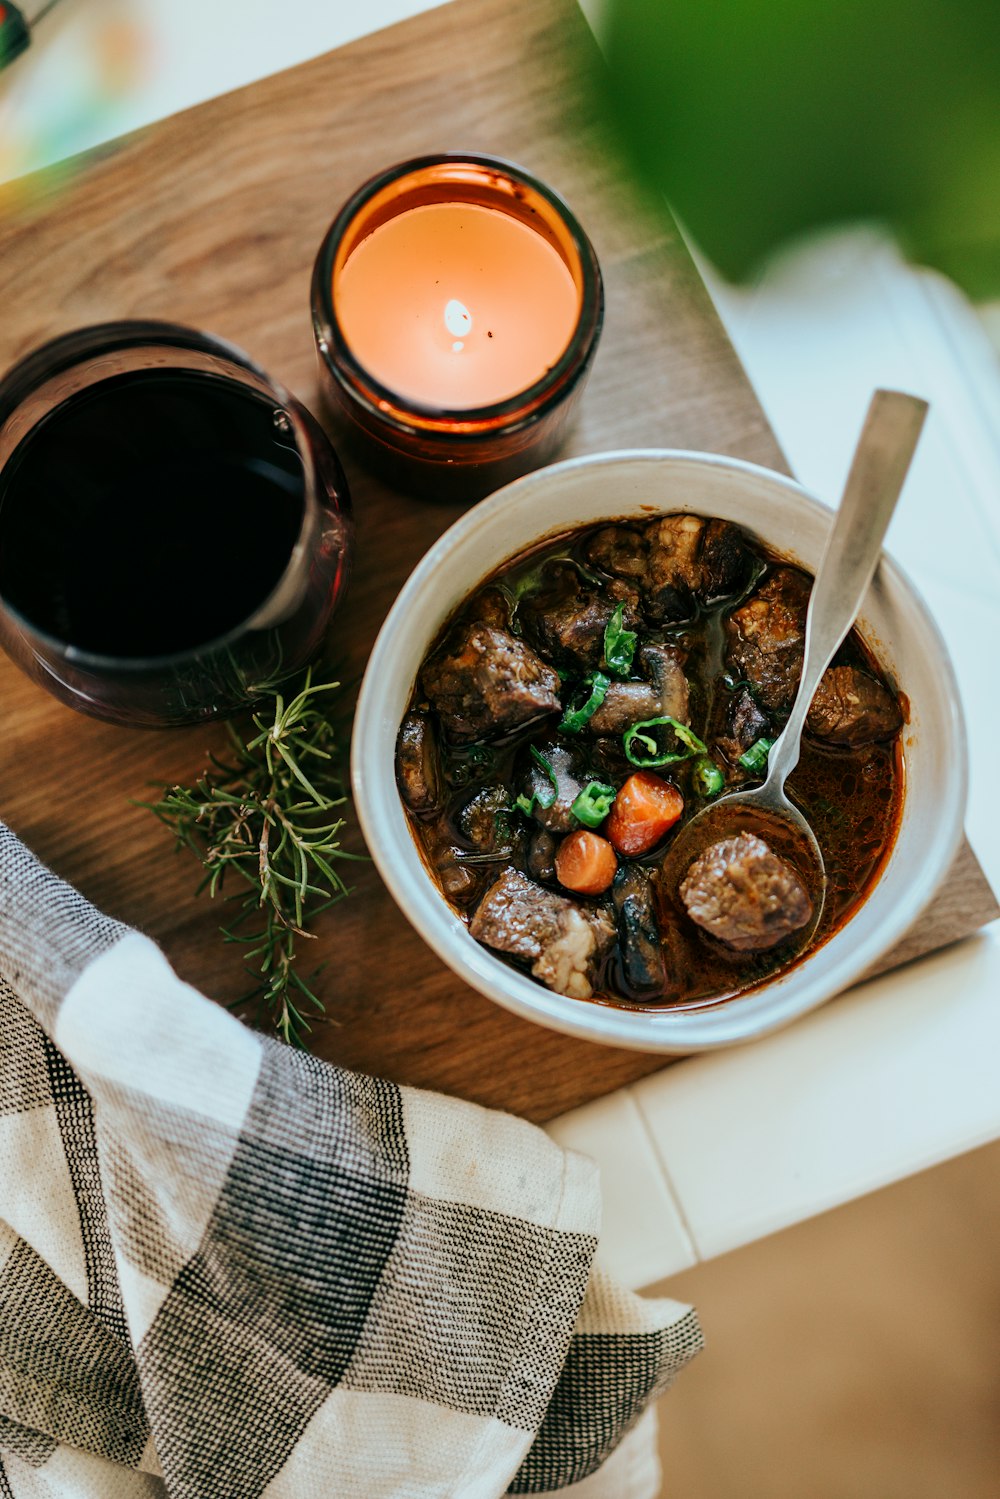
264 820
755 758
619 644
593 804
575 719
643 749
706 777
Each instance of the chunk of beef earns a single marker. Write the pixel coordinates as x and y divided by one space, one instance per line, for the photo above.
726 561
485 682
621 551
638 931
483 819
746 722
665 695
490 607
677 562
744 894
566 619
766 638
418 770
567 767
766 641
852 707
674 576
561 941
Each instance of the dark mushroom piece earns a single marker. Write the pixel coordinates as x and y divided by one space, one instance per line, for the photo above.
455 879
744 894
569 782
562 941
483 820
418 771
639 941
541 857
664 695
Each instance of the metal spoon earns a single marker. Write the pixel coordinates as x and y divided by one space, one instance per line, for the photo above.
880 465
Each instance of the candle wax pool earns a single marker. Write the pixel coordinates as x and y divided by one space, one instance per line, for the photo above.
455 305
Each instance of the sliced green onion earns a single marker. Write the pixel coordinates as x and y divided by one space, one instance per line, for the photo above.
593 804
619 644
706 777
755 757
575 719
642 749
525 804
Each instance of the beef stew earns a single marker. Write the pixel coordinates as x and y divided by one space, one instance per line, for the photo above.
583 703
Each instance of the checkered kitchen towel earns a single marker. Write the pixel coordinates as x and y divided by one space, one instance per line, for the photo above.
230 1270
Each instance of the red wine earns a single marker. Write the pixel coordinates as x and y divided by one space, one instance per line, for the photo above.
150 514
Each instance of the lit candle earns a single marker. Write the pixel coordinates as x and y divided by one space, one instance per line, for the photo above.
457 306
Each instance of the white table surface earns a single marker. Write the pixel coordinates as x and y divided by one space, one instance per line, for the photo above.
903 1072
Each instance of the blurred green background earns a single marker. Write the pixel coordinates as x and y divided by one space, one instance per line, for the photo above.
762 119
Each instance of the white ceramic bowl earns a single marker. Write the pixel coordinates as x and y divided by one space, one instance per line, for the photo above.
637 484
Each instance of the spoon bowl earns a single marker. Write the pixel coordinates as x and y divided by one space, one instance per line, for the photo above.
878 469
779 823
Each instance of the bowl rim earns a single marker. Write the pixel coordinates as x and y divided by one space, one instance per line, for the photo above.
666 1031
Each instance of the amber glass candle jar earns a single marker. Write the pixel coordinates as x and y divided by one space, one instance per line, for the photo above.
456 305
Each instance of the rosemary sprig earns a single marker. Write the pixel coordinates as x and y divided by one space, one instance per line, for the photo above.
266 817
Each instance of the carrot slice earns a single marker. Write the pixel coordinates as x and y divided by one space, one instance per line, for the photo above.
585 863
644 811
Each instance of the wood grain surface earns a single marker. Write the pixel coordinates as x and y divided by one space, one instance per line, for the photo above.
213 218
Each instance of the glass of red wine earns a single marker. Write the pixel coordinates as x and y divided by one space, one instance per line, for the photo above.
175 528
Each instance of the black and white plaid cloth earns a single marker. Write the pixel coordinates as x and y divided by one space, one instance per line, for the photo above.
230 1270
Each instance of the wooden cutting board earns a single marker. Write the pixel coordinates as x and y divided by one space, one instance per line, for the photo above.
213 218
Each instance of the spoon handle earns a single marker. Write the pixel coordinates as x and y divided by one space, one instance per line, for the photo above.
880 465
